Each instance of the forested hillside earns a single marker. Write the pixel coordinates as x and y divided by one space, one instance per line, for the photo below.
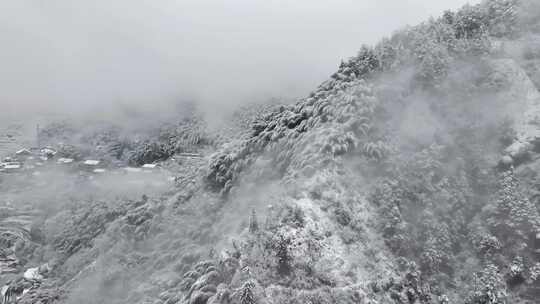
409 176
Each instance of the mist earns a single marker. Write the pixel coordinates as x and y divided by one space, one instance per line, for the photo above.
268 152
90 58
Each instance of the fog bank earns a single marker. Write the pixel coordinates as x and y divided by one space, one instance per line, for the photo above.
73 56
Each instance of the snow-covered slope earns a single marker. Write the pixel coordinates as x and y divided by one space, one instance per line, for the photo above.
384 185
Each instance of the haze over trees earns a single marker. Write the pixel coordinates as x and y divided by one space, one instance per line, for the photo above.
409 176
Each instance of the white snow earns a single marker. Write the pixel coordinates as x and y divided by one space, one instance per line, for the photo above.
65 160
48 151
32 274
518 149
23 151
12 166
91 162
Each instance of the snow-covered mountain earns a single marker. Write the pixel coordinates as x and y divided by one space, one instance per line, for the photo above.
409 176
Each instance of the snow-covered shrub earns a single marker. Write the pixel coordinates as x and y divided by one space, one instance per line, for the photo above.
185 136
516 270
434 62
365 62
514 217
200 283
377 150
388 196
281 245
489 287
470 21
247 296
150 152
388 55
489 244
535 272
438 246
69 151
502 16
56 132
81 228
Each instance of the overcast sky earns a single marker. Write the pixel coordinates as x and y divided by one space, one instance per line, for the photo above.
74 54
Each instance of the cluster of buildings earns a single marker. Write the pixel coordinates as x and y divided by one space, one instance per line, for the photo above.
31 159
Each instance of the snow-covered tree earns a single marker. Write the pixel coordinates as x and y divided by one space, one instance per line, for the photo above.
514 217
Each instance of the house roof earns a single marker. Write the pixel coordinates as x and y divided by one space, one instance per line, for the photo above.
131 169
12 166
91 162
65 160
23 151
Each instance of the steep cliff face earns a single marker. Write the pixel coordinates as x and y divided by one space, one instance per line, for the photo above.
410 176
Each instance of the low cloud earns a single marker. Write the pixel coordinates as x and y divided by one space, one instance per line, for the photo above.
65 56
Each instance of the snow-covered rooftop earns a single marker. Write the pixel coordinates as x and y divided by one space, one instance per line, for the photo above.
91 162
12 166
65 160
48 151
23 152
